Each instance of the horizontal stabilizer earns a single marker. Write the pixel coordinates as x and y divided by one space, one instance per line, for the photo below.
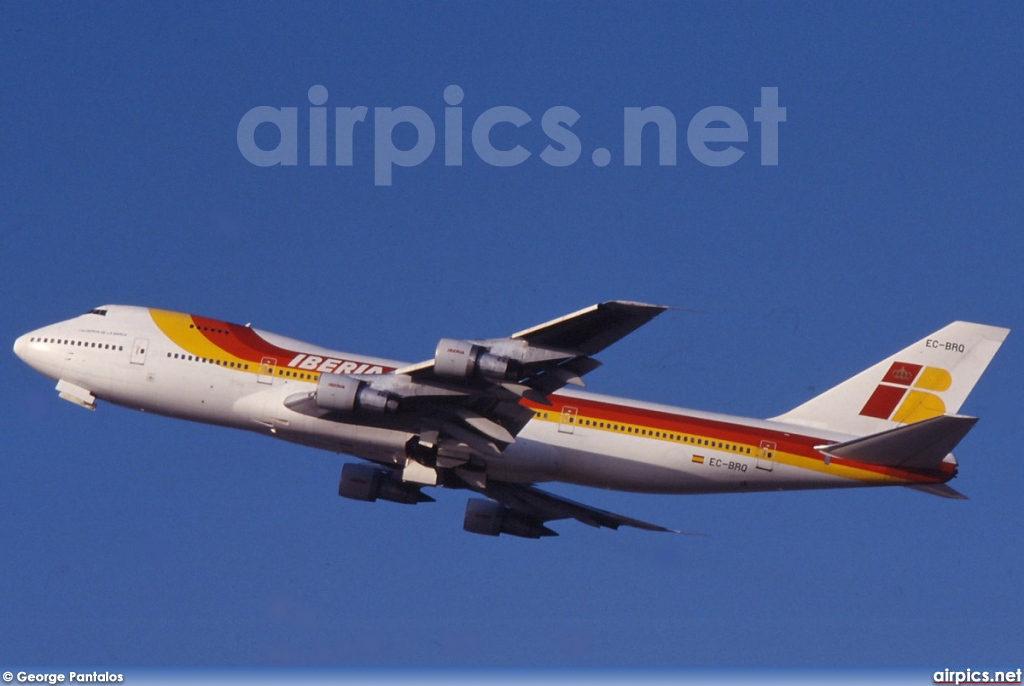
941 490
913 446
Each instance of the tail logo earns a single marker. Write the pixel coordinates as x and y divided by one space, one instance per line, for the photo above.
903 375
907 394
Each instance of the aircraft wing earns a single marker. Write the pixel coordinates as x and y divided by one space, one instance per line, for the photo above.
465 402
580 334
592 329
537 506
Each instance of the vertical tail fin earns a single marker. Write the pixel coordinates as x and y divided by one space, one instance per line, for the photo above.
931 377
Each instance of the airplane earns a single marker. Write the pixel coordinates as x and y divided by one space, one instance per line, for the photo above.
496 417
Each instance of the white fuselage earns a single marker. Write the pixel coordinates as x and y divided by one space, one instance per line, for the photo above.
218 373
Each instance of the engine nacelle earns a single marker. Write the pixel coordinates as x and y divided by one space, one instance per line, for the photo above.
348 394
368 483
491 519
461 360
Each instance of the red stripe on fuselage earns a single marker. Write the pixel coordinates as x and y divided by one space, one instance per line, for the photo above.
240 341
244 343
794 444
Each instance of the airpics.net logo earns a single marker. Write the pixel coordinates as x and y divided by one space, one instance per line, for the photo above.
716 136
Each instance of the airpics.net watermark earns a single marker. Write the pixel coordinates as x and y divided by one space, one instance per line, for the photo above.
712 134
973 677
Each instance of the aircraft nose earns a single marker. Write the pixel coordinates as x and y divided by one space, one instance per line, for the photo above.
35 354
21 345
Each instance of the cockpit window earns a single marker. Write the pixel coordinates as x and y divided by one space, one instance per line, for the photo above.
102 313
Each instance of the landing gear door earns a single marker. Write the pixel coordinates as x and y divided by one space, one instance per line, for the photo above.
766 455
139 351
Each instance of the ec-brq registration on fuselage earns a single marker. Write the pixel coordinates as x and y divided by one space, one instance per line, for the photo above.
497 416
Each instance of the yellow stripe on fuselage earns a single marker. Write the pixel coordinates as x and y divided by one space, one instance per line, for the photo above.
703 443
179 328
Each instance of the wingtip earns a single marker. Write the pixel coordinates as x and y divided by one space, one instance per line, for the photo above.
660 308
633 304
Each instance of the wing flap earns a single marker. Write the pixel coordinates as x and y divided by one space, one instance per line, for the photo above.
488 428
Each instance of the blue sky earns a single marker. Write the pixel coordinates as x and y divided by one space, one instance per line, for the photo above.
895 207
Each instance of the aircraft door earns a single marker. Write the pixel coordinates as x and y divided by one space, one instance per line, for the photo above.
139 351
766 455
266 372
568 423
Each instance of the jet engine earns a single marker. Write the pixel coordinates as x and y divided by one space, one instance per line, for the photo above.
348 394
461 360
368 483
491 519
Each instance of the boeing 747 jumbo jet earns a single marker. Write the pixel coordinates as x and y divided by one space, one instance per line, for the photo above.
494 416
